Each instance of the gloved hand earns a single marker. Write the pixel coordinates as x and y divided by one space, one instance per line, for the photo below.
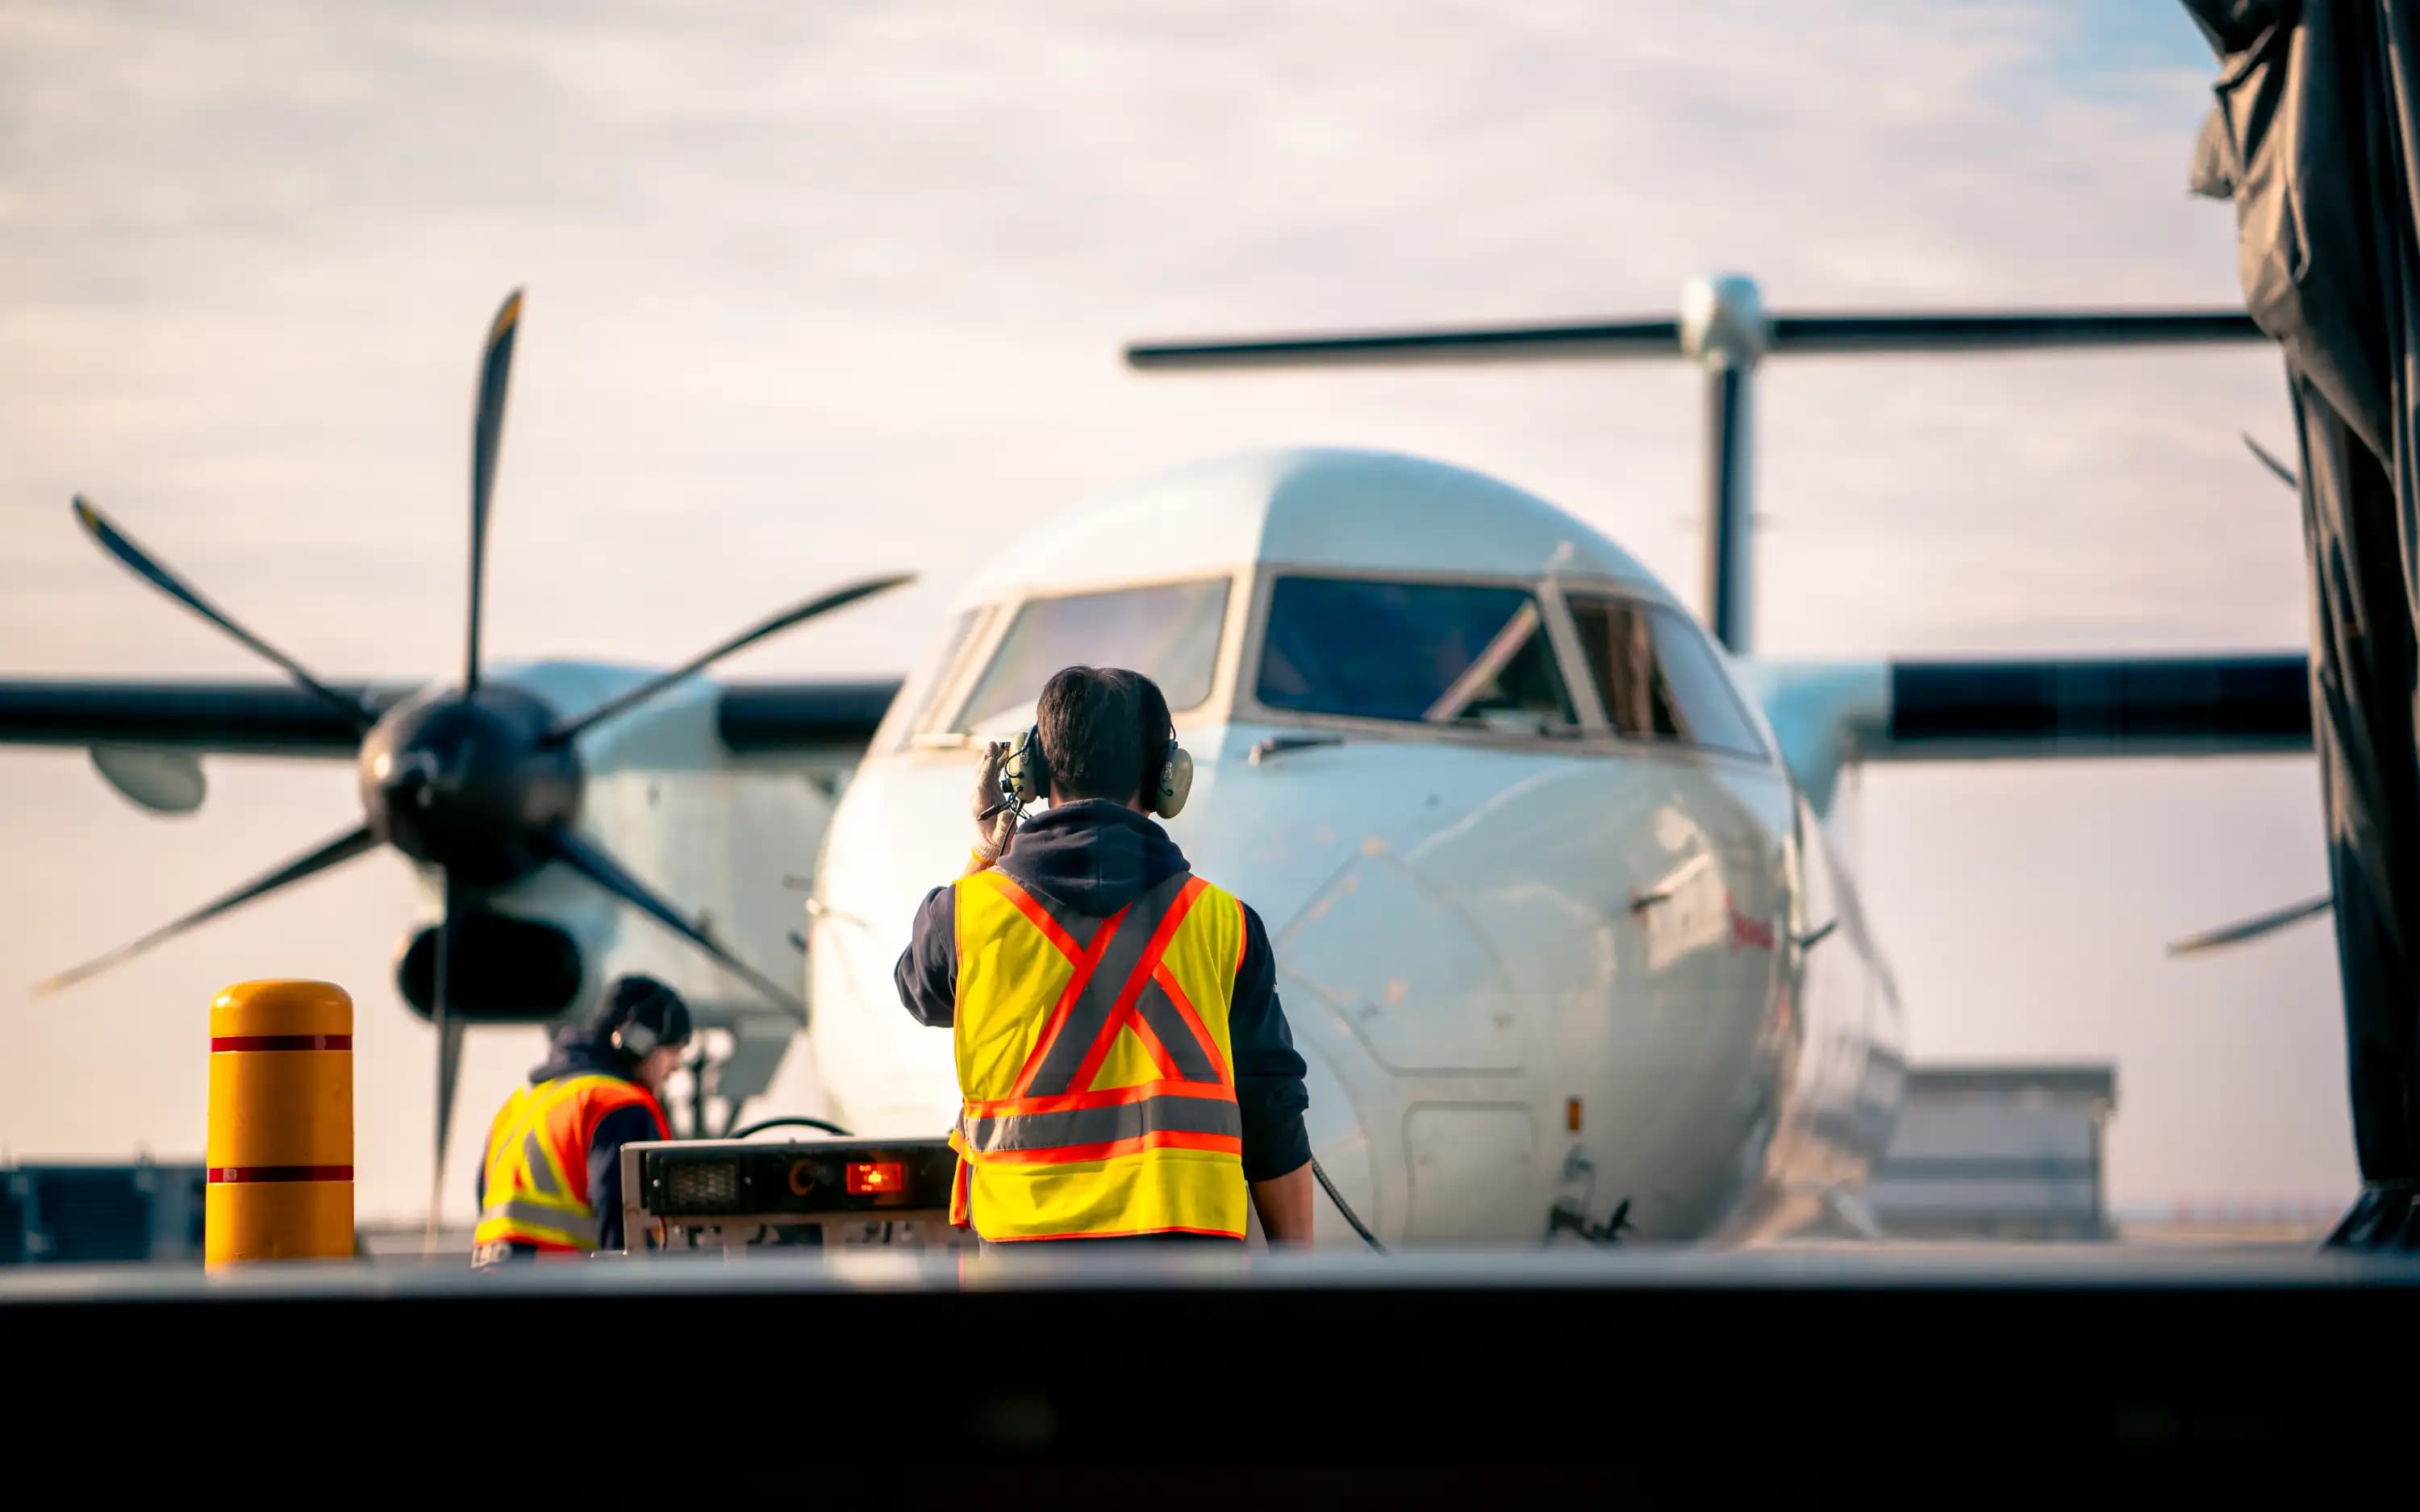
995 820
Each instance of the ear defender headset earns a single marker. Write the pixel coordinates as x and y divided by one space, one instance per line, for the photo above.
631 1036
1025 775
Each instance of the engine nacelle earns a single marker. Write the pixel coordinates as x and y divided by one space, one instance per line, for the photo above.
499 969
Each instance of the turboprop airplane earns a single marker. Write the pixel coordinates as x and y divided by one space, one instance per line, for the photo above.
1560 930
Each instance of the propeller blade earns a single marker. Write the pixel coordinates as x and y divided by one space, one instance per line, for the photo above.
1829 334
449 1069
2272 464
2008 331
572 728
487 435
119 545
2252 928
336 852
592 862
1596 339
449 1065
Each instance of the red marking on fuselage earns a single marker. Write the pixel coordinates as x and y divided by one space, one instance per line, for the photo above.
1746 930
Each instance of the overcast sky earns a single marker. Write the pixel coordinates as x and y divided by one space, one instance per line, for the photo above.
821 290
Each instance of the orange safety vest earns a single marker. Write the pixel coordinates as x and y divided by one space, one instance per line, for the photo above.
1095 1066
537 1160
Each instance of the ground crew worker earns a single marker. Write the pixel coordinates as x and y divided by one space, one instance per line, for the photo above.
551 1181
1126 1066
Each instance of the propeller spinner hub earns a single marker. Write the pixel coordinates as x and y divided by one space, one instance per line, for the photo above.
468 782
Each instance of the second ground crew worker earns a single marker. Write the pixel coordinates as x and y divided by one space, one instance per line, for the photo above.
551 1181
1126 1068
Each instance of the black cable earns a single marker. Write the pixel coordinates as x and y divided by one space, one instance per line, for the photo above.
778 1124
1341 1205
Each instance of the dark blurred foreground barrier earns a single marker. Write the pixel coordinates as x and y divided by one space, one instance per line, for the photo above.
1413 1380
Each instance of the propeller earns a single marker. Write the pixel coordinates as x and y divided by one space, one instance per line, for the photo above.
2253 928
480 784
2277 919
449 1059
449 1069
591 861
570 730
487 434
1722 325
143 565
354 841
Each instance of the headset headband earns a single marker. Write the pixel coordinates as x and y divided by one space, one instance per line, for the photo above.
1025 774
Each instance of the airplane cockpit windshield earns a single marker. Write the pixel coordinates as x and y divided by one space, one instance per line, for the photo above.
1467 655
1168 631
1657 678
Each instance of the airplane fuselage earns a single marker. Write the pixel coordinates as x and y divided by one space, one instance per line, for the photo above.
1517 981
1528 967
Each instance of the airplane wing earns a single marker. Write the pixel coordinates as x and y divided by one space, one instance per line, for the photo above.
767 719
277 719
247 718
147 738
1832 716
2106 706
1829 715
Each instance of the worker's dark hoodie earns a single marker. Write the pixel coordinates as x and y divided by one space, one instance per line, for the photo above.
577 1052
1093 857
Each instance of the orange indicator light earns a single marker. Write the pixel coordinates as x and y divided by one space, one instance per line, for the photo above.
875 1176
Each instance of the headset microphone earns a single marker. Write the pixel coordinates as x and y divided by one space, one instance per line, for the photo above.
1025 774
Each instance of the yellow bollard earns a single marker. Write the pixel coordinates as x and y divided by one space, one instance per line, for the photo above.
281 1136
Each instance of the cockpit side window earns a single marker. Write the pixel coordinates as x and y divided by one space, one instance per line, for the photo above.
908 711
1168 632
1464 654
1658 678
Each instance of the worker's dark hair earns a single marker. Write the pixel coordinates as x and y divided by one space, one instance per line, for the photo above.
645 1005
1103 733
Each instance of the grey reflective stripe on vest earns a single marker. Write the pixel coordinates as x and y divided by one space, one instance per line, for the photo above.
1100 1126
1057 1073
539 1170
529 1214
1175 1036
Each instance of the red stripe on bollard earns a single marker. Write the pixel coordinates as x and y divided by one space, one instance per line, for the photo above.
281 1173
280 1041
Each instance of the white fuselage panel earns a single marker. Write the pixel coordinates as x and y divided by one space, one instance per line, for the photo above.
1467 939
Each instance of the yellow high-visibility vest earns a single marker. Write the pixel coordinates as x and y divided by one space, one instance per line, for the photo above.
1095 1065
537 1160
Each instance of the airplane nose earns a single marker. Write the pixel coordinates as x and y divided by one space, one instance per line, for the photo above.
1405 968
